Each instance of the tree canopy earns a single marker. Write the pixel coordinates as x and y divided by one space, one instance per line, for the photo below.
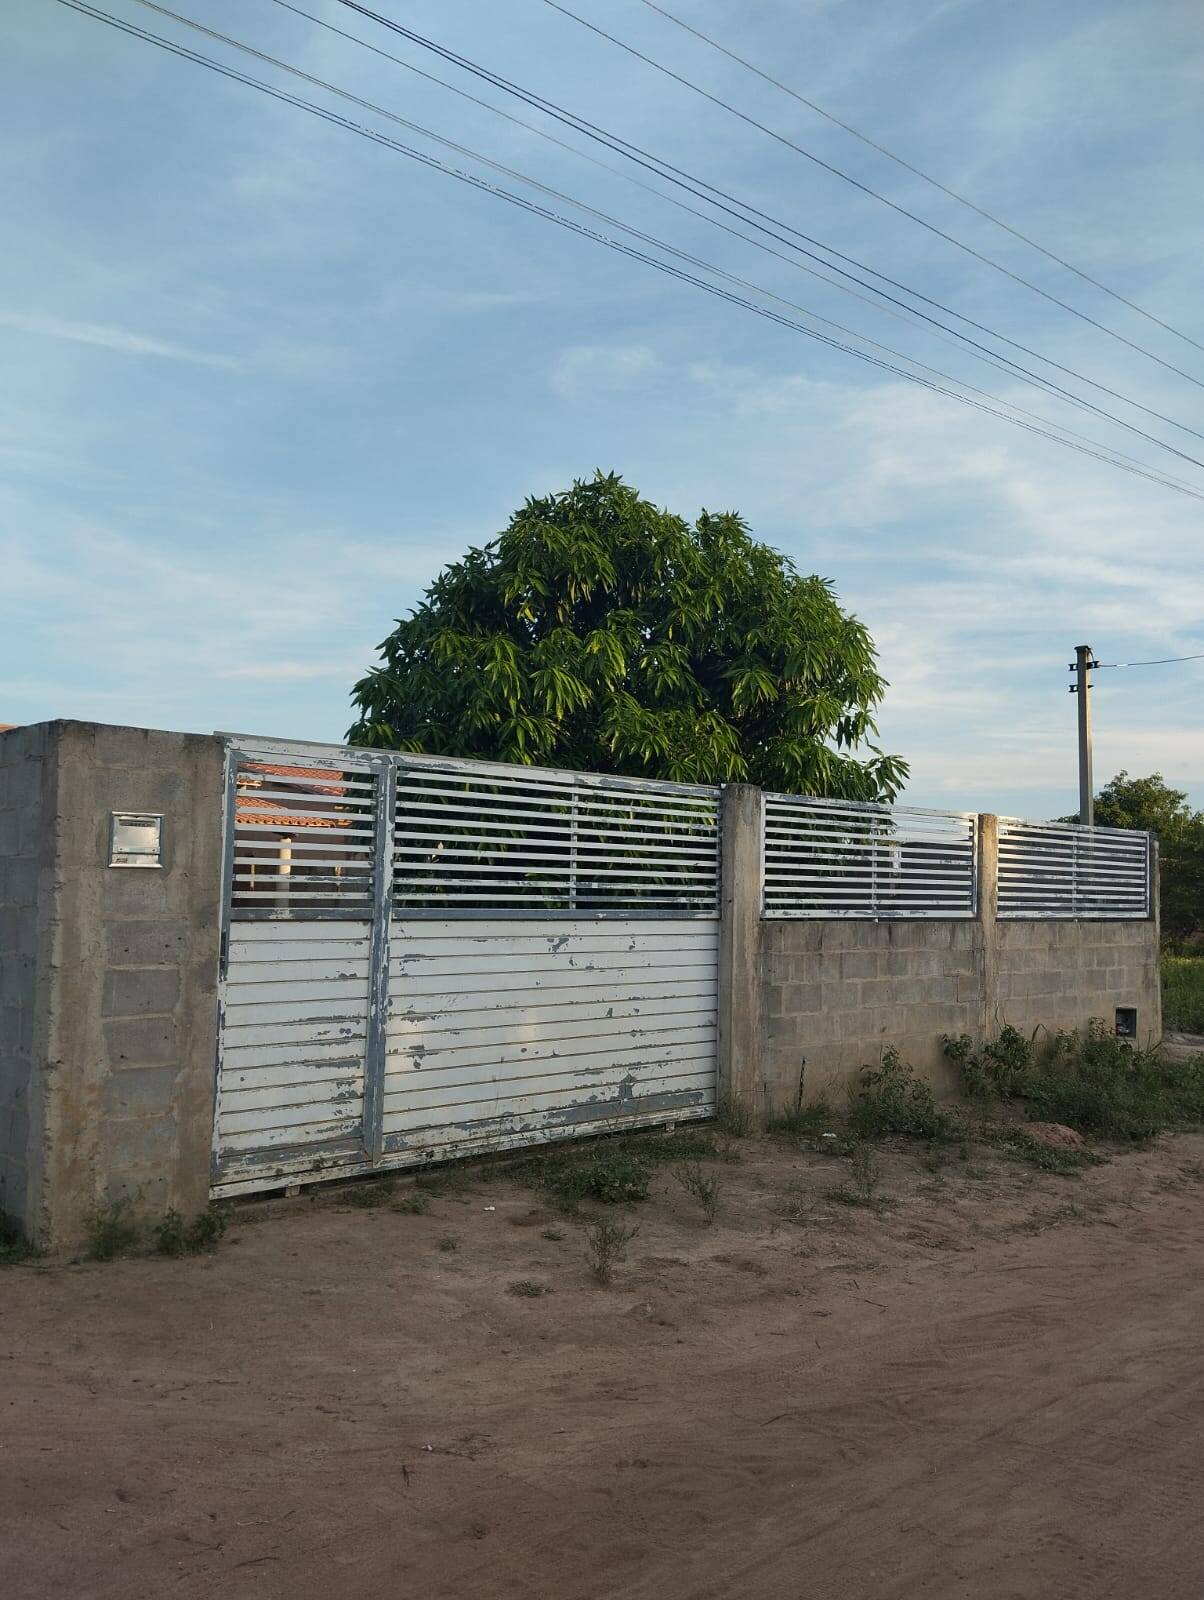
1151 804
602 633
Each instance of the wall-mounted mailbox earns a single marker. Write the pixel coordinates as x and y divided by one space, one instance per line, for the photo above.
135 839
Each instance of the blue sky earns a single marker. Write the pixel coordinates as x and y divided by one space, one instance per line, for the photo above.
263 378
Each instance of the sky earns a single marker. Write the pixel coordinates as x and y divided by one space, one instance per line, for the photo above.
264 378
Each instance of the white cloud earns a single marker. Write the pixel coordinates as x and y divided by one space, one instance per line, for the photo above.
586 369
119 339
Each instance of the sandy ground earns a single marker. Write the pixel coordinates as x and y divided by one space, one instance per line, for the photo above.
992 1387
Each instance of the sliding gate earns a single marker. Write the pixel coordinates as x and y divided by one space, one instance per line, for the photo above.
424 958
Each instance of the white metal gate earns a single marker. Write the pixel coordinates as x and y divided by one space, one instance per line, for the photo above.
425 958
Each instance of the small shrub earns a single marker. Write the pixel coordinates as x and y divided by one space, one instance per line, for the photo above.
415 1204
606 1245
554 1234
807 1120
995 1070
615 1176
448 1243
529 1289
174 1237
733 1117
109 1230
891 1099
703 1186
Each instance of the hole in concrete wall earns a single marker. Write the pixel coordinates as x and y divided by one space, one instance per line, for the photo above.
1126 1022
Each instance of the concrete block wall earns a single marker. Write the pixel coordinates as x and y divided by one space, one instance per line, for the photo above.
835 992
806 1003
1062 974
27 775
126 1015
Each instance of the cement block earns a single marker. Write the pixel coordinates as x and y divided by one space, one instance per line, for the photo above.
140 1092
140 991
156 942
132 1145
139 1041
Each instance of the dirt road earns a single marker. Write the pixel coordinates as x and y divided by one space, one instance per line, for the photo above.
992 1387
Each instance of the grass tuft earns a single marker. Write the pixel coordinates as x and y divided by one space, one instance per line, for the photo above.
529 1289
804 1121
414 1204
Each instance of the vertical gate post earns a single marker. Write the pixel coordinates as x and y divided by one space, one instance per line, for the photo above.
378 958
742 874
988 920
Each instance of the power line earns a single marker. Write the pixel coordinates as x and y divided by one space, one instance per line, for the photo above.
887 304
875 194
377 137
919 172
637 233
701 189
1163 661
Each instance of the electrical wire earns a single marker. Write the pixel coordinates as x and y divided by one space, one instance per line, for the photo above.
376 136
1163 661
637 233
703 190
875 194
918 172
888 306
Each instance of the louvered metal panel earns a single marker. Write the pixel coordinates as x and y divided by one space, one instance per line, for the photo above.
424 958
294 1035
841 858
477 836
502 1034
300 836
1052 869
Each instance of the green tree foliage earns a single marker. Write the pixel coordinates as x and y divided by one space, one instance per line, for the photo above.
601 633
1151 804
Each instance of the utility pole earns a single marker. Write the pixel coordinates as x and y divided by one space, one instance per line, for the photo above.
1084 660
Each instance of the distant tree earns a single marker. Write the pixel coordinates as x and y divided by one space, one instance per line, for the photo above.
1151 804
603 633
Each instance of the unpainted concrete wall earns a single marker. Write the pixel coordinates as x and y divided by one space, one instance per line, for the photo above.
27 777
125 1027
809 1002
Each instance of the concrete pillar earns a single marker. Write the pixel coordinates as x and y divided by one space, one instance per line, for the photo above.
988 921
742 871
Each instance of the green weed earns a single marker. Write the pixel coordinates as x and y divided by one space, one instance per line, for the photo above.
174 1237
377 1192
606 1245
414 1204
448 1243
806 1120
529 1289
733 1117
702 1185
109 1230
891 1099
